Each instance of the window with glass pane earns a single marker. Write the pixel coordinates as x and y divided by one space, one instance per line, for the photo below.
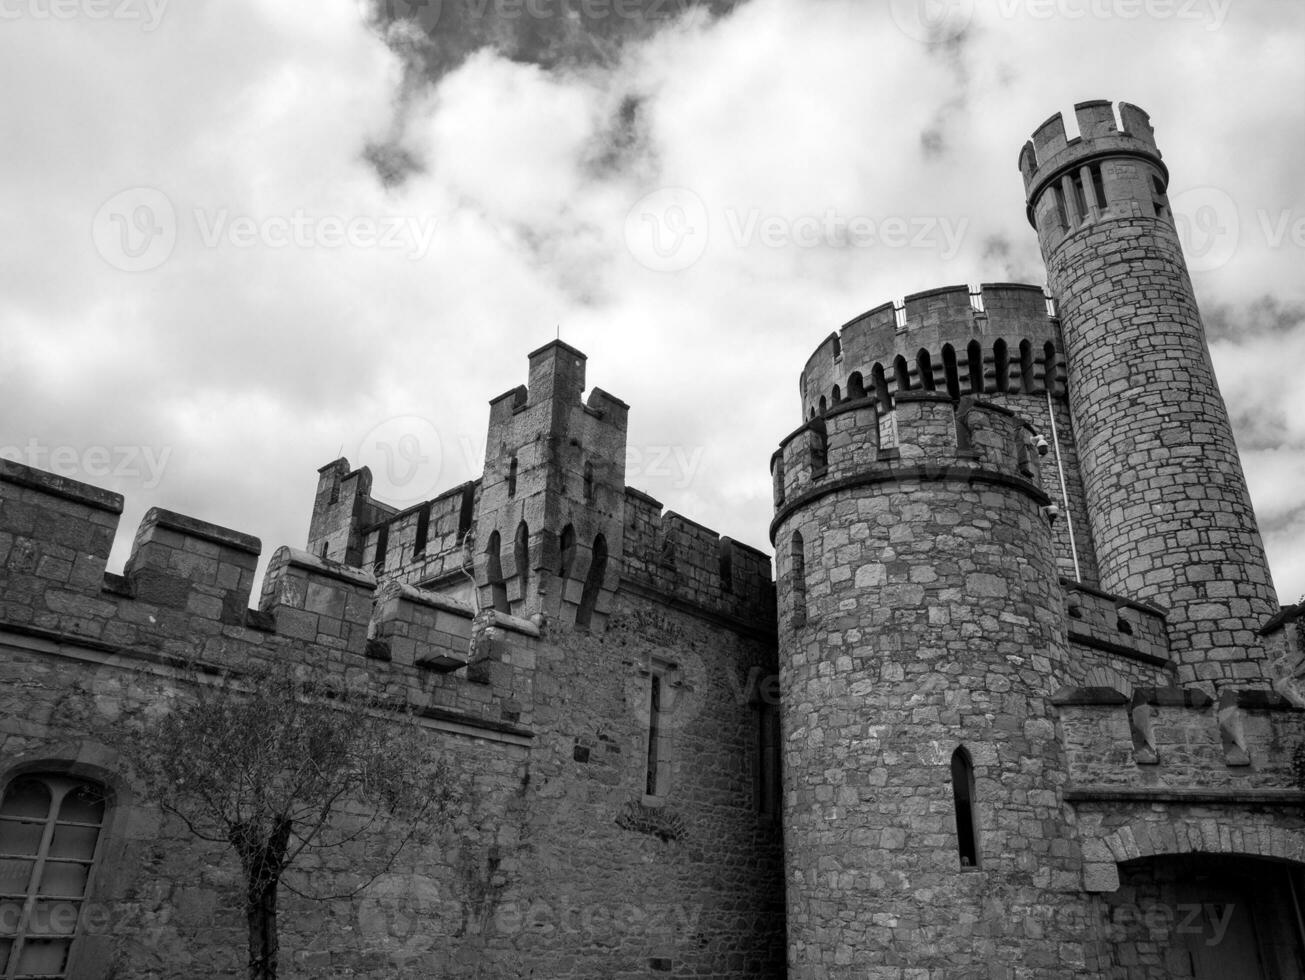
49 828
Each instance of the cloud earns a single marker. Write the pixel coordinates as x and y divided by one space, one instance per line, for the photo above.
523 149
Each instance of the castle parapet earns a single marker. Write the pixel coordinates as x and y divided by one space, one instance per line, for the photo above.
183 563
679 558
318 601
999 339
933 438
54 532
1115 625
1049 155
1177 739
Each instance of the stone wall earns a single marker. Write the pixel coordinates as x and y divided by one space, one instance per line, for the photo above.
555 860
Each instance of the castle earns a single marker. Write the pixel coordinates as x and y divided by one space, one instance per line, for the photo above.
1019 702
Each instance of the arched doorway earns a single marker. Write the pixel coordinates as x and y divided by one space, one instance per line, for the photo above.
1208 917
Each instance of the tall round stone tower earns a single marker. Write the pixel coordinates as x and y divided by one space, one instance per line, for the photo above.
1167 501
920 631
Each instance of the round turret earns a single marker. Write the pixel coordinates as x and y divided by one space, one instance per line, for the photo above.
921 633
1170 515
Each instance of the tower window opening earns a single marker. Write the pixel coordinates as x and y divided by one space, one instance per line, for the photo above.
899 316
902 373
798 574
1080 199
881 388
925 366
1159 199
423 531
1049 367
567 549
466 511
512 478
382 547
950 371
1028 380
974 354
823 404
1001 361
1061 214
521 557
659 704
494 572
593 582
967 840
819 447
589 482
855 386
976 299
1098 185
836 395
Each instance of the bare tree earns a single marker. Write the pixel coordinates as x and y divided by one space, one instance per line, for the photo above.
277 759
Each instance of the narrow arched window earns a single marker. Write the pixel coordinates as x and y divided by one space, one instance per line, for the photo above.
881 388
512 477
593 582
49 835
382 549
967 834
422 535
521 557
974 354
902 372
467 511
494 572
567 548
1001 361
823 405
950 371
925 366
798 585
836 395
1028 383
855 386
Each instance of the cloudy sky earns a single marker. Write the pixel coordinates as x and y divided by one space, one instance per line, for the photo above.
242 238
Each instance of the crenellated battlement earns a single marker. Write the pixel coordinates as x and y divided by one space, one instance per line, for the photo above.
1112 169
541 535
1001 338
683 560
1051 153
1117 735
1115 625
186 588
927 436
